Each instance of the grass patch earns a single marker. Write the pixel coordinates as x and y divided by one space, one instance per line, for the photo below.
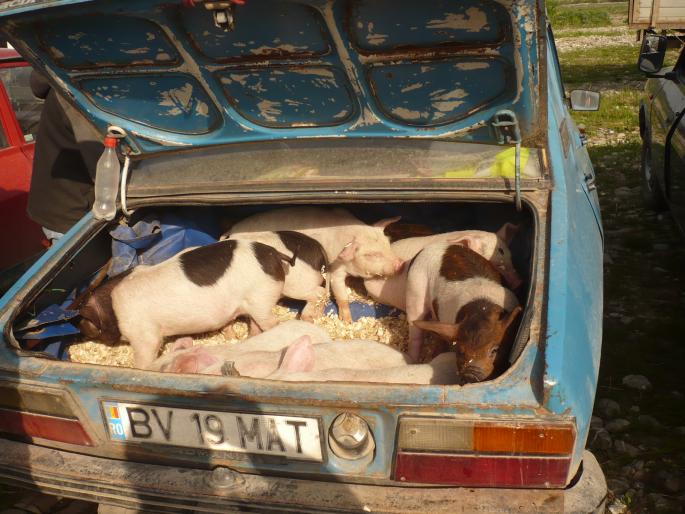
618 111
600 64
576 18
567 2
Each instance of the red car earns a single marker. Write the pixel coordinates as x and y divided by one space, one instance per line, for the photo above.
20 238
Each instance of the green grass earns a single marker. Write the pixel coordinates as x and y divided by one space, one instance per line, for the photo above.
618 111
566 2
600 64
572 18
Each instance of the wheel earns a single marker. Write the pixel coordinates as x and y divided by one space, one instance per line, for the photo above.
651 191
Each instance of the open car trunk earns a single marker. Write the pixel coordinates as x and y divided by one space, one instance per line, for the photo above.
49 323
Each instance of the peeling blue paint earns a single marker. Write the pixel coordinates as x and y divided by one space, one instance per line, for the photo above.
374 59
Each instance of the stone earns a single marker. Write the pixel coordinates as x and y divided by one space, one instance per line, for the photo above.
596 423
649 422
618 486
617 425
639 382
618 507
602 440
608 408
680 430
677 395
673 484
660 503
635 409
661 247
626 449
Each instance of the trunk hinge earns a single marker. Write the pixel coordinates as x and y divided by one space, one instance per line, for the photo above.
507 130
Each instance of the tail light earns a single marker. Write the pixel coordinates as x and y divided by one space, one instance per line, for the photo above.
30 413
484 453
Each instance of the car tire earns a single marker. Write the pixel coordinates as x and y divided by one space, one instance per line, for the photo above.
651 191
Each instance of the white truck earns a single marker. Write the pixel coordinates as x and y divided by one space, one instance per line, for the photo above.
657 14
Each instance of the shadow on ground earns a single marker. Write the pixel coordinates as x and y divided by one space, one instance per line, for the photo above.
640 438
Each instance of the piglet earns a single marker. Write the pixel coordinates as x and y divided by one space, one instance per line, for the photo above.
298 365
352 247
463 292
198 290
491 245
305 278
249 362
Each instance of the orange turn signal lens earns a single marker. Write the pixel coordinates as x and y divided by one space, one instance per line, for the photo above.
506 437
523 439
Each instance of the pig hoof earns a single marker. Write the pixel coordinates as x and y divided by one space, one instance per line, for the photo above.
346 317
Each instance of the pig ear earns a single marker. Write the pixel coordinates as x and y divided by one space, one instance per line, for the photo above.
445 331
507 232
387 221
349 251
508 320
182 344
470 243
299 356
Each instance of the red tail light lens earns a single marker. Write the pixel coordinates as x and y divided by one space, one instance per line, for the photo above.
40 411
31 425
479 453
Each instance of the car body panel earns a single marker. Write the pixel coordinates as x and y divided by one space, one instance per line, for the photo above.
16 159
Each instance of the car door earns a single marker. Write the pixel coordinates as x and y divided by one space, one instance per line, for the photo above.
20 237
675 155
667 104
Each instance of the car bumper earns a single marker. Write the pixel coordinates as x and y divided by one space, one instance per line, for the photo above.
155 488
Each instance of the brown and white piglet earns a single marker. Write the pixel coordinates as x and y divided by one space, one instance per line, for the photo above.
305 278
491 245
471 309
352 247
198 290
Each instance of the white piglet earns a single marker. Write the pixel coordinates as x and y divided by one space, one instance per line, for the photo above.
246 360
352 247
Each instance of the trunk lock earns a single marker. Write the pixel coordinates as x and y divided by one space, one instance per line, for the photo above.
507 130
223 12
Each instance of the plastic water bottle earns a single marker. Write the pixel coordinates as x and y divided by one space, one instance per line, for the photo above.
107 182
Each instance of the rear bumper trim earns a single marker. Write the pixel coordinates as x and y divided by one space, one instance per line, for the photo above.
155 488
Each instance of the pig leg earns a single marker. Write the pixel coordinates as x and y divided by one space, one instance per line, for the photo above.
145 344
339 289
262 317
418 307
315 305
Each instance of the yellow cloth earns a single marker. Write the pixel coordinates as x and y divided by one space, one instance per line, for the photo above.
503 165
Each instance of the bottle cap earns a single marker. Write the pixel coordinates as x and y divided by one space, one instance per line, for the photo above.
111 142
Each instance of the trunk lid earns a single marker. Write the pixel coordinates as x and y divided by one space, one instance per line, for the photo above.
288 69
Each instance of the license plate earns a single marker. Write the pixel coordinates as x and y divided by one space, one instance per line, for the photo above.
294 437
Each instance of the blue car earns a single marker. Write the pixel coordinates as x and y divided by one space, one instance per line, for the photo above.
452 115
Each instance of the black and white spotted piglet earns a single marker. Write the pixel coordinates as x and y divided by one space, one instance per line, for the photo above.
305 280
198 290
